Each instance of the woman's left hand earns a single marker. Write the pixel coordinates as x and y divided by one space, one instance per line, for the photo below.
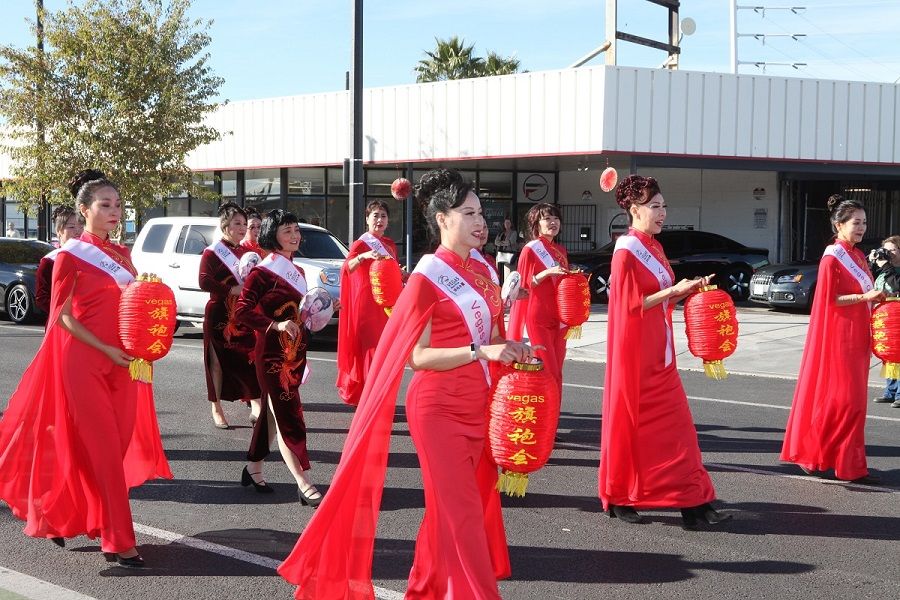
508 352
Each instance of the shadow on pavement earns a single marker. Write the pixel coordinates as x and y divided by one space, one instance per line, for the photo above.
771 518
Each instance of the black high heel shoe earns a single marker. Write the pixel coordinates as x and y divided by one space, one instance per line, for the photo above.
132 562
625 513
306 498
690 516
59 541
261 488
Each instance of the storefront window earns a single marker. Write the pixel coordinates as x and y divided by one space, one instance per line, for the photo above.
493 184
229 184
306 182
336 182
259 183
338 221
378 181
308 209
177 207
205 179
263 204
203 207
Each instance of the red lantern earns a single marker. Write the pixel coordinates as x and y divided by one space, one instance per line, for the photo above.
387 282
401 188
608 179
573 302
523 417
712 328
146 323
886 337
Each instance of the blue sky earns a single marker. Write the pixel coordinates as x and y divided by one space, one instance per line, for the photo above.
269 48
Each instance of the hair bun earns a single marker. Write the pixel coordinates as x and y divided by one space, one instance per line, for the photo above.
833 202
228 206
82 177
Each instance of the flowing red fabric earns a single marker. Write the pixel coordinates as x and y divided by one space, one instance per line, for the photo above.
360 324
649 453
332 560
826 427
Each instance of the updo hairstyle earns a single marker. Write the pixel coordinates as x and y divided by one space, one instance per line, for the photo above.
536 213
61 216
635 190
840 210
274 219
375 205
227 212
84 186
438 191
252 213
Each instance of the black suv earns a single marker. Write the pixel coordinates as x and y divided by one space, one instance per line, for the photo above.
18 263
691 254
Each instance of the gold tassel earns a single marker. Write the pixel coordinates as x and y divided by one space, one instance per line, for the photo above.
890 370
141 370
512 483
715 369
574 333
388 310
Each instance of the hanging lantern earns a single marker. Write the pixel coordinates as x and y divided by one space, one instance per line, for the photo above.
524 413
886 337
400 188
573 302
387 282
146 323
712 328
608 179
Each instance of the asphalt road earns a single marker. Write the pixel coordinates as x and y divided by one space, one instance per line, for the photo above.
204 536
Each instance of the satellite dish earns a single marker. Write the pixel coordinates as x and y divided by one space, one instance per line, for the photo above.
688 26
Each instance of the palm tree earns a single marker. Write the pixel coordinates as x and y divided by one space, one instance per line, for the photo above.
451 59
495 64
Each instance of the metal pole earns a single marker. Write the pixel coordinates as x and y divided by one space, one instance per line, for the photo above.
732 14
674 37
611 28
356 125
43 216
409 220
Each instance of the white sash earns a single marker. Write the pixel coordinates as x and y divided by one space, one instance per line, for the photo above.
537 246
52 254
375 244
228 259
285 269
480 258
646 258
843 257
471 304
93 255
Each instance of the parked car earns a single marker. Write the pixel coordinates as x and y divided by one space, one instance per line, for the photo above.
789 285
691 254
171 247
19 260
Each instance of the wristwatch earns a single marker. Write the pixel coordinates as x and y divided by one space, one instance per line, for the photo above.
473 349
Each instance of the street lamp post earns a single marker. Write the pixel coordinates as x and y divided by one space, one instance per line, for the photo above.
356 124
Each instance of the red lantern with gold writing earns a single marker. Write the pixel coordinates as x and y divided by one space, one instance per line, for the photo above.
886 337
146 323
573 302
523 417
387 282
712 328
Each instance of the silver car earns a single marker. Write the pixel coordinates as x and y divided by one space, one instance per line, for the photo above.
785 286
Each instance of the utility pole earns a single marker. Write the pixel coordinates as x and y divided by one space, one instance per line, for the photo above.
356 88
43 217
734 7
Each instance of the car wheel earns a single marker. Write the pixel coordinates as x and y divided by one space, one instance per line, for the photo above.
737 282
19 304
599 288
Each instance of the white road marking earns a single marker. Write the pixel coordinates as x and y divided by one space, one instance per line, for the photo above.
34 588
812 478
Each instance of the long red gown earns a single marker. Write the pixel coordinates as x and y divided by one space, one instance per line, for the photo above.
360 324
235 353
461 547
43 282
538 313
826 427
78 432
649 453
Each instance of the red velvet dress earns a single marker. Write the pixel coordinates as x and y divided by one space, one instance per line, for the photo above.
649 453
280 360
43 283
461 547
78 432
826 427
538 313
360 324
233 345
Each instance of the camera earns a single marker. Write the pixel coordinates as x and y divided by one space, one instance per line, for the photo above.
881 254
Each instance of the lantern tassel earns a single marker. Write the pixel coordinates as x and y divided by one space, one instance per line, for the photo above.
141 370
715 369
890 370
387 310
512 483
574 333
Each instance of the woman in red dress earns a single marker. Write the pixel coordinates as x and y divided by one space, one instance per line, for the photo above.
362 320
67 226
250 243
67 439
541 262
448 329
649 453
270 305
826 427
227 347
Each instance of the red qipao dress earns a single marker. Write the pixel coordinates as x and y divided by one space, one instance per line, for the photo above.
249 246
78 432
362 320
232 344
43 281
826 427
649 453
273 292
538 313
461 547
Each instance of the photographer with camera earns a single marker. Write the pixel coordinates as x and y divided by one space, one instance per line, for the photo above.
885 265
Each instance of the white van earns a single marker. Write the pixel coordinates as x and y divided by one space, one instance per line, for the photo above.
171 247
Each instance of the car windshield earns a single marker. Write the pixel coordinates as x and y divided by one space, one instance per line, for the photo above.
28 252
320 244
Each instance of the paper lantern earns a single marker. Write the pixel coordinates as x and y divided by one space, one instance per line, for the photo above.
886 337
608 179
712 328
146 323
573 303
400 188
387 282
524 413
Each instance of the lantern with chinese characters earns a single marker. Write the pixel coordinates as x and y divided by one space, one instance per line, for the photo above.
146 323
573 302
712 328
523 417
400 188
387 282
886 337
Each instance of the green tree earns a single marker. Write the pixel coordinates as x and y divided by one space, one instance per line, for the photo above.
122 86
453 59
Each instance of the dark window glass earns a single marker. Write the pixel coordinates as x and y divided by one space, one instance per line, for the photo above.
263 204
229 184
194 239
320 244
336 182
338 221
308 209
261 182
306 182
156 238
494 185
177 207
23 253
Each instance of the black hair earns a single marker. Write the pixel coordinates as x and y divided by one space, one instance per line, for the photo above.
378 203
61 215
227 212
267 232
81 178
538 212
438 191
840 210
635 190
252 213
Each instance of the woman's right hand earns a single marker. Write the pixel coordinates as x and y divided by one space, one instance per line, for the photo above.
291 328
118 356
507 352
551 272
370 255
873 296
686 286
